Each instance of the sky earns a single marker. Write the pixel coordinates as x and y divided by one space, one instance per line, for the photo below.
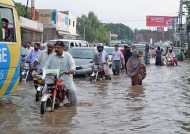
129 12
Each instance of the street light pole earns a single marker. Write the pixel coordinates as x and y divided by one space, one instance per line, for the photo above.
84 32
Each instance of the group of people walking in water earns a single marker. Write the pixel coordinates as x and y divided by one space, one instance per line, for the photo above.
135 61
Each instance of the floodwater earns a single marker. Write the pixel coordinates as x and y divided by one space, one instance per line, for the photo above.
160 106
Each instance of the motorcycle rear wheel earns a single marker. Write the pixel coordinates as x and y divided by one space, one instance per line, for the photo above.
37 96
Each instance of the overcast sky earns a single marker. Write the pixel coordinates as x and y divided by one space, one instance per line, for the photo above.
130 12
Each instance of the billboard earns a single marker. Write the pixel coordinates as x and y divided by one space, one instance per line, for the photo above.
160 21
46 16
61 22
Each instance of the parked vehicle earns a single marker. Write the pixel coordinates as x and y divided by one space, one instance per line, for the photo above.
55 93
140 47
83 57
109 51
72 43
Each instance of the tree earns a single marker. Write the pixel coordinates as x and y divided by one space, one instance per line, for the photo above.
123 31
88 24
102 35
21 9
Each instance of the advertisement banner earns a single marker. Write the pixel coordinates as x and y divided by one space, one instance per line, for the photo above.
45 16
162 21
61 23
30 24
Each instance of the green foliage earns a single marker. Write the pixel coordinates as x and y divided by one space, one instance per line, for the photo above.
102 35
21 9
123 31
88 24
97 32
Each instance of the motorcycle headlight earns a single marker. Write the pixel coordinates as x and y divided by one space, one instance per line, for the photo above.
41 81
49 80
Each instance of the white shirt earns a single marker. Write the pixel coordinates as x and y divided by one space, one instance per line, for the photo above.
29 49
117 55
42 59
64 63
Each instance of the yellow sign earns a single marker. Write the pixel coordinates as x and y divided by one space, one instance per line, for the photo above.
45 16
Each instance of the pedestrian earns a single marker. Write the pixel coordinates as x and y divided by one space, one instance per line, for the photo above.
147 55
117 60
135 70
64 61
159 57
127 55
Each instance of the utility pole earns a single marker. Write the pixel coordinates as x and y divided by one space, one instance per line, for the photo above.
84 32
33 16
180 28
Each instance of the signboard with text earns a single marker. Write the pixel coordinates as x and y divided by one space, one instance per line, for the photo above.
47 17
160 21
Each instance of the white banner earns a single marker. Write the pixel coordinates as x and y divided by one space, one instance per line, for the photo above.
30 24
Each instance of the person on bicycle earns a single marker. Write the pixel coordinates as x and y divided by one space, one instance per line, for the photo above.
102 58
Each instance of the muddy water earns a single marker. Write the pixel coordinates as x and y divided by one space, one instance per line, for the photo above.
160 106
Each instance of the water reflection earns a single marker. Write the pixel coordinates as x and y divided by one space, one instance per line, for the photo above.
60 116
136 93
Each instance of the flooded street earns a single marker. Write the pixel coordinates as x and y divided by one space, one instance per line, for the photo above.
160 106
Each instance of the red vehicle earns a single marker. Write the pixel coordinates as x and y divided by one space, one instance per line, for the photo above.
98 72
55 93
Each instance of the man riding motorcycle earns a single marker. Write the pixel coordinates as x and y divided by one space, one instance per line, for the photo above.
171 55
101 57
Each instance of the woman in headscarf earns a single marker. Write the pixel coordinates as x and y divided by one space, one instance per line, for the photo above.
135 70
158 57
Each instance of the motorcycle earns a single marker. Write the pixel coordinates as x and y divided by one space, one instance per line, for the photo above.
169 61
55 93
25 69
39 84
99 73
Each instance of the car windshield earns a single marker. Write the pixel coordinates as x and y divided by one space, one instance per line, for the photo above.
140 48
82 53
109 50
54 41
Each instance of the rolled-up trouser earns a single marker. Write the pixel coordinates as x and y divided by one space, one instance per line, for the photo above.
116 66
71 93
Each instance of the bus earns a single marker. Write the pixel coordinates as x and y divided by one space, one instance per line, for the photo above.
10 45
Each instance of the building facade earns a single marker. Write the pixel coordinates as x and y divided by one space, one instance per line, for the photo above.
57 24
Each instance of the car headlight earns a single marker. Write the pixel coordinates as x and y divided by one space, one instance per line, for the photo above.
87 66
